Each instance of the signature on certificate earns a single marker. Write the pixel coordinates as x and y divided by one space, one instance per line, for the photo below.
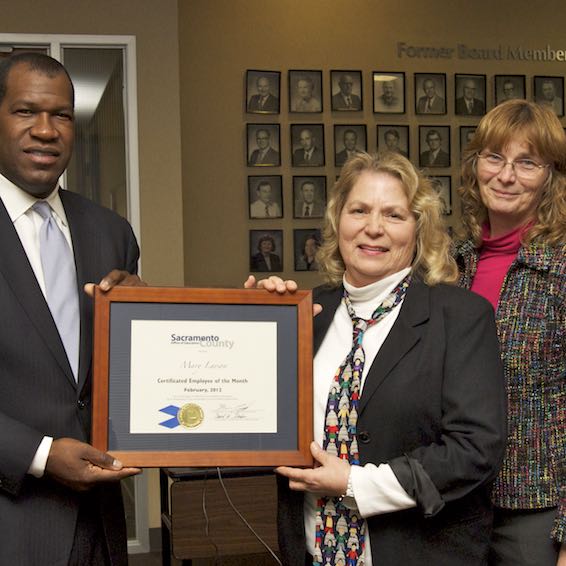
226 413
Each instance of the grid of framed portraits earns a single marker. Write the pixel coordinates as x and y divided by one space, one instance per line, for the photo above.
263 92
430 97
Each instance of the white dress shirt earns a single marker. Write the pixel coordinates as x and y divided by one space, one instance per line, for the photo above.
376 488
27 223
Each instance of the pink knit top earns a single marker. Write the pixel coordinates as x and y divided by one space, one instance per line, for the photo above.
496 257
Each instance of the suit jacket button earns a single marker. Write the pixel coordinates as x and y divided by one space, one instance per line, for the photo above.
364 437
81 404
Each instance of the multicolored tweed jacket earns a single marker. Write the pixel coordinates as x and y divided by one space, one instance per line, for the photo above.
531 323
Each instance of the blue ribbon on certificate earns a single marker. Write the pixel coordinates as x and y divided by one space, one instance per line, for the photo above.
173 411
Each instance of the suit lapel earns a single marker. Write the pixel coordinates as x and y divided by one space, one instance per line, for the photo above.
406 332
18 274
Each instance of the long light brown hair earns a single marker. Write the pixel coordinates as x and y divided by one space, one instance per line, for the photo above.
538 126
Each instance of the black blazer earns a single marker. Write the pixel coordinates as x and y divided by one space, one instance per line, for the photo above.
317 158
433 407
38 393
478 107
258 263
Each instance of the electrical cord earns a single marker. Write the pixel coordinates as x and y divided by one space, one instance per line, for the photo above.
242 518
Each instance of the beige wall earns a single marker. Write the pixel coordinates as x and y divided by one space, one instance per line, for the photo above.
155 26
220 39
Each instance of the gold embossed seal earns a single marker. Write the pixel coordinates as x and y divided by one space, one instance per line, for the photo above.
190 415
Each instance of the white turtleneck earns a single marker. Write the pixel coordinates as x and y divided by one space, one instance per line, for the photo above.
376 488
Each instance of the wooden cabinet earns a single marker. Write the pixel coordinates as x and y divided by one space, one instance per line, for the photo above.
197 516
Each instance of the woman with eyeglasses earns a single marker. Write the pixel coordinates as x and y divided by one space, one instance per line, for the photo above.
514 217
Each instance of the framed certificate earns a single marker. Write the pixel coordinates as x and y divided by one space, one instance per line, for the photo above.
203 377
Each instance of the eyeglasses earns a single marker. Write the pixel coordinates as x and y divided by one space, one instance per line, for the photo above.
525 168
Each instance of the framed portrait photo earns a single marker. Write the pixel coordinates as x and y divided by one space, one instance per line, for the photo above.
346 90
442 184
393 137
265 196
306 242
430 93
349 139
469 95
263 145
466 135
309 196
549 92
263 92
307 145
305 91
434 146
509 87
388 92
266 250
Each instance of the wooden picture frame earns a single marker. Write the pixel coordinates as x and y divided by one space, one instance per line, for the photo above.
126 319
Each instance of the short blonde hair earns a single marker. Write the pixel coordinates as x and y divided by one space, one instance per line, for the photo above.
539 127
433 262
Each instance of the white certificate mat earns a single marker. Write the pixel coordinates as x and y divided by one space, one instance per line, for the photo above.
202 376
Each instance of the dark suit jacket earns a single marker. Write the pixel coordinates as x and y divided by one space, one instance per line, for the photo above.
338 102
258 263
317 210
317 158
38 393
433 408
341 158
271 104
442 159
438 105
271 158
478 107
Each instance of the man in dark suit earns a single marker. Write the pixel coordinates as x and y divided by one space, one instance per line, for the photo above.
264 101
468 104
430 103
306 206
309 154
435 156
60 500
345 99
264 154
350 149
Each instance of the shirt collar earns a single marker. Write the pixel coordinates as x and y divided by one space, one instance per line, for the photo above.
379 289
18 202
